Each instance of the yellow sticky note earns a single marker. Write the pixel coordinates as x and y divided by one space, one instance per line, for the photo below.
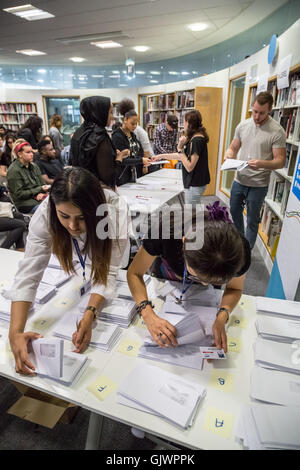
139 322
64 303
40 324
236 320
102 387
234 344
244 303
222 380
218 422
129 347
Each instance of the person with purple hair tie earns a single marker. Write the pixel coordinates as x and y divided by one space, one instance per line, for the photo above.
221 260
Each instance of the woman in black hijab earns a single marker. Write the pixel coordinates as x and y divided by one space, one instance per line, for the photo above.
91 146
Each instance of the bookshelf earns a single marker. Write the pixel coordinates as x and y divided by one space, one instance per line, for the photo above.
207 100
286 111
116 115
13 115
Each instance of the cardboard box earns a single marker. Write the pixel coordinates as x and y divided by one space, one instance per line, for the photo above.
41 408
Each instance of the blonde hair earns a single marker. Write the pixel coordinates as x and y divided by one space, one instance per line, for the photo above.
16 143
54 119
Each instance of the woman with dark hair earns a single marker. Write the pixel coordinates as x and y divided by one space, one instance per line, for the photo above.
192 152
91 146
67 225
55 134
7 157
124 138
224 258
31 131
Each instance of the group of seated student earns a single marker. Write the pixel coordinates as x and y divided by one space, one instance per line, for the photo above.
66 222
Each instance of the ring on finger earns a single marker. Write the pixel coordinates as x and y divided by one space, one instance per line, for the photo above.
160 334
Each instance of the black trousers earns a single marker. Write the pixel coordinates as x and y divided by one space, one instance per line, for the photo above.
15 228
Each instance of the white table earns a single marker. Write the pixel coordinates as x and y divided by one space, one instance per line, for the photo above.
117 365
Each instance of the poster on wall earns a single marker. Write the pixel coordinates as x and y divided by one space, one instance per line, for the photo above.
283 72
262 83
285 277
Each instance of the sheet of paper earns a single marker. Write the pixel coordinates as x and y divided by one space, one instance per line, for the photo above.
233 164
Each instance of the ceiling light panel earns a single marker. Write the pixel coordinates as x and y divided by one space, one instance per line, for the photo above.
30 52
29 12
106 44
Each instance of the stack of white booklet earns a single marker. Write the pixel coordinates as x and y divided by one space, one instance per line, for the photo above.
118 311
272 386
196 295
55 277
156 391
233 164
44 293
279 356
264 427
282 308
192 333
48 357
104 335
54 263
278 329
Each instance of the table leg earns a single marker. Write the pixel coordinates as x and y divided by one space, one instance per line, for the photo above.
94 432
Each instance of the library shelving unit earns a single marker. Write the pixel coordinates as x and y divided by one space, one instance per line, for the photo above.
207 100
13 115
286 111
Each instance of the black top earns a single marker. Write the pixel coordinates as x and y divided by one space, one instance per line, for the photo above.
27 134
122 142
200 174
171 251
50 167
5 159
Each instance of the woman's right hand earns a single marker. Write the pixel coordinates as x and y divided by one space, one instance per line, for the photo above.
146 161
18 344
122 154
157 325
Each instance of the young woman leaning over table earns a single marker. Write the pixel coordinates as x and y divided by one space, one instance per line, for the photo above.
223 260
65 224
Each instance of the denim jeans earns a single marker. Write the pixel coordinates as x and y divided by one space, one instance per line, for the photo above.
252 198
193 194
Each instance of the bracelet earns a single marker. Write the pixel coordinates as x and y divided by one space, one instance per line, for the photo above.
142 305
223 309
93 309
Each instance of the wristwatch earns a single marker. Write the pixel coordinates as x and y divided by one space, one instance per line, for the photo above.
93 309
143 305
223 309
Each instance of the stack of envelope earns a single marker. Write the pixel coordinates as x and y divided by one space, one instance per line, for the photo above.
265 427
118 311
278 329
104 335
282 308
280 356
55 277
161 393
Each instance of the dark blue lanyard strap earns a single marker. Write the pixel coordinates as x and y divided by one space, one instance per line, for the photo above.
184 289
81 259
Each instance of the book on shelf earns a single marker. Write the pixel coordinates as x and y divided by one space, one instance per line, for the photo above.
294 90
292 123
274 230
292 161
285 197
278 192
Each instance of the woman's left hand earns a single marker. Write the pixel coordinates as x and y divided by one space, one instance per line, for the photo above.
219 333
81 338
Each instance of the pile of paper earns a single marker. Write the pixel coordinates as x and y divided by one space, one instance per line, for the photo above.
104 335
263 427
44 293
192 333
233 164
282 308
161 393
54 263
118 311
278 329
196 296
48 357
55 277
279 356
272 386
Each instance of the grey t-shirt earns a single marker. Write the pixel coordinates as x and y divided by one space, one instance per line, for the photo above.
58 140
257 143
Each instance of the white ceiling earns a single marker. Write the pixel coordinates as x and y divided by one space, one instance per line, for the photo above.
159 24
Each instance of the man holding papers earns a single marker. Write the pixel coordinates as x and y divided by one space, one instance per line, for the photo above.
260 141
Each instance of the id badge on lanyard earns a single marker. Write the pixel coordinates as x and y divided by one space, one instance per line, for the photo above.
86 284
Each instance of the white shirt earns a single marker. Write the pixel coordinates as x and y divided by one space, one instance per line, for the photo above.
38 251
143 138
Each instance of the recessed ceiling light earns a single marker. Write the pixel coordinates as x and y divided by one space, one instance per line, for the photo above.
141 48
140 72
97 76
114 76
155 72
153 81
185 73
29 12
122 84
106 44
42 71
30 52
173 72
198 26
77 59
40 80
116 72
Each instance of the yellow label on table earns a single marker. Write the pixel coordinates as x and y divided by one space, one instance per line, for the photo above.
235 320
244 303
234 344
139 322
222 380
218 422
102 387
129 347
40 324
64 303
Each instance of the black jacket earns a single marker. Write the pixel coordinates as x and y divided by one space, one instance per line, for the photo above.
135 160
